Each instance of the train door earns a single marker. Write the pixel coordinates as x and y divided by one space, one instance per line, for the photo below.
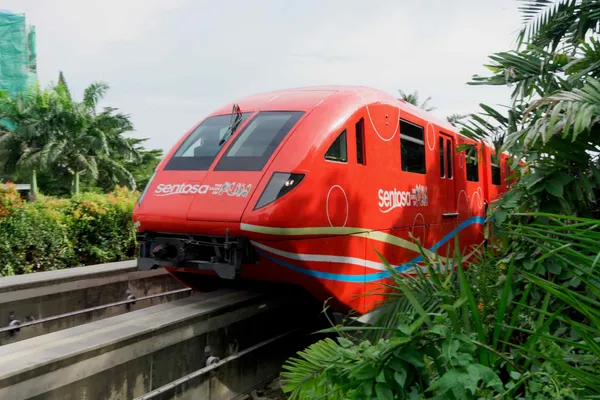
447 181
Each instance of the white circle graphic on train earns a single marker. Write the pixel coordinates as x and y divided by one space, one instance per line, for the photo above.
327 204
430 143
373 123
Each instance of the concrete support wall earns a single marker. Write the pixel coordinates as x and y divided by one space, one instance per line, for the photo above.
27 302
129 355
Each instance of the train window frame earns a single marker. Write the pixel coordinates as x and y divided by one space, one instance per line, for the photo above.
442 157
405 139
496 172
343 134
449 151
472 168
360 142
253 163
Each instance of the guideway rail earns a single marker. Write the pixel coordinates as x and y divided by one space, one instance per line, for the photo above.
132 355
44 302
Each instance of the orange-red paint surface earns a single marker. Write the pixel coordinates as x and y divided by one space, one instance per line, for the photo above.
323 233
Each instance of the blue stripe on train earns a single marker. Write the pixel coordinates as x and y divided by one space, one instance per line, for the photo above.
377 275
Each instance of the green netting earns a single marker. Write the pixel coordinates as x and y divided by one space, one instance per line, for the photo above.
17 54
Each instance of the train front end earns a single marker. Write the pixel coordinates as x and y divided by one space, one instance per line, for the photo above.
190 214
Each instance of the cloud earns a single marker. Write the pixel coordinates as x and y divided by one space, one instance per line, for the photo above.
90 25
171 62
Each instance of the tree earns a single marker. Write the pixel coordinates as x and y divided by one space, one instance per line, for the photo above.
553 118
413 98
141 168
93 140
46 130
454 119
27 124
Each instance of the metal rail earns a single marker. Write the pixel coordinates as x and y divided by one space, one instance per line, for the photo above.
86 310
211 367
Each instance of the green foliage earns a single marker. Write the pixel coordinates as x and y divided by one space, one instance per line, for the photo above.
60 233
522 322
101 226
551 23
141 168
71 145
552 123
413 98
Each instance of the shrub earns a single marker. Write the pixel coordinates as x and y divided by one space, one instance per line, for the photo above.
101 226
61 233
437 338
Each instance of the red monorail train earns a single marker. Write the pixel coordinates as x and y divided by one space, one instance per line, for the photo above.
302 185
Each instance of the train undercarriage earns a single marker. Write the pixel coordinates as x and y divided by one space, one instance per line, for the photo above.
222 254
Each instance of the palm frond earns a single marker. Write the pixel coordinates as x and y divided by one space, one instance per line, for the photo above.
305 377
567 114
93 94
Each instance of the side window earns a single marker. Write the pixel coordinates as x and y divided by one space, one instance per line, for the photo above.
338 151
412 147
360 141
442 161
472 167
449 156
496 179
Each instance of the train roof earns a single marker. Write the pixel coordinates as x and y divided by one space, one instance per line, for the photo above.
306 98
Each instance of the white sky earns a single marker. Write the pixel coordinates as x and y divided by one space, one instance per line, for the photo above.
170 62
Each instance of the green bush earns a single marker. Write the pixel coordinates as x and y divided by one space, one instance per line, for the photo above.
61 233
522 322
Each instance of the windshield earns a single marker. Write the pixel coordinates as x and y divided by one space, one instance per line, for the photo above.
255 144
201 147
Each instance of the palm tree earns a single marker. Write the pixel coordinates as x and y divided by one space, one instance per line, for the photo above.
92 141
554 115
27 123
454 119
413 98
550 24
46 129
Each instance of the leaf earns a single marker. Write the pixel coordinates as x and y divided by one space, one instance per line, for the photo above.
400 377
532 179
398 341
366 371
465 290
500 216
557 182
534 387
381 377
367 389
554 189
455 381
515 375
487 375
502 306
396 364
411 356
415 395
528 264
404 328
344 342
553 267
384 392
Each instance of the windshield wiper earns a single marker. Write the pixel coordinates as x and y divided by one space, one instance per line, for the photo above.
236 118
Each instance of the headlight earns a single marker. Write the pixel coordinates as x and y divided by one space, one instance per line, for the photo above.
279 185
